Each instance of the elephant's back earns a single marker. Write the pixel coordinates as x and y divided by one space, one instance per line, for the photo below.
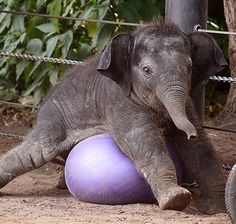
77 80
230 194
77 97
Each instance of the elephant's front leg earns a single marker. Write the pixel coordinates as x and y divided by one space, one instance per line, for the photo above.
140 139
201 160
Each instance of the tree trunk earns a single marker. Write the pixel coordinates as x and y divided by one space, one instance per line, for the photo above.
229 113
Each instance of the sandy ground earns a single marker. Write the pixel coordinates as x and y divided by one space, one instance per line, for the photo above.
33 197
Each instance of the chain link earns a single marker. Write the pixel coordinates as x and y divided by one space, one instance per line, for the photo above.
223 79
227 166
38 58
14 136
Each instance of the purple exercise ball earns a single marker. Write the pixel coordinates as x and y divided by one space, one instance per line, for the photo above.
97 171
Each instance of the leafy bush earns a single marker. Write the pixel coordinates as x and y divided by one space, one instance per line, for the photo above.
58 38
46 37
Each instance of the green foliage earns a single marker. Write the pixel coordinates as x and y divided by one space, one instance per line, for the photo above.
46 37
222 40
58 38
136 10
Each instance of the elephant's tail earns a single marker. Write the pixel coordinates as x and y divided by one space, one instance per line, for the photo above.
230 195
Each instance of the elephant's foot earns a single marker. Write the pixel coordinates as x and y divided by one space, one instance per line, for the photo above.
212 206
175 198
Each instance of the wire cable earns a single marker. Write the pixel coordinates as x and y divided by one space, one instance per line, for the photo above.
71 18
197 28
17 104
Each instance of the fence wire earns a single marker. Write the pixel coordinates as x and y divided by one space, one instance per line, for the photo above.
72 18
198 28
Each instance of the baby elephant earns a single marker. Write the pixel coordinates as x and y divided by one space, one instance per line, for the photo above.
138 90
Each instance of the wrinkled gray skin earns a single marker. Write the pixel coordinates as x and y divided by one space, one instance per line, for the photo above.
138 90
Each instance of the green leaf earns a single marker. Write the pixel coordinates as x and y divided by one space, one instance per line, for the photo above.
3 61
28 75
22 38
37 96
102 10
32 31
5 23
55 8
47 28
11 44
42 72
53 76
82 2
69 8
3 71
84 51
34 46
87 13
48 35
39 4
31 89
66 39
9 3
104 36
3 15
20 68
31 5
51 44
93 30
128 12
18 24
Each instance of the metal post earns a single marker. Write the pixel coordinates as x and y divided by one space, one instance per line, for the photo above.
186 14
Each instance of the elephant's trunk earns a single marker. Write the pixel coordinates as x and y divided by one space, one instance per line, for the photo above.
174 101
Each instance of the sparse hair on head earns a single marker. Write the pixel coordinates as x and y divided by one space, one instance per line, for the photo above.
159 24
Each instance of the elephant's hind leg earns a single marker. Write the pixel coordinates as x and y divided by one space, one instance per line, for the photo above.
37 149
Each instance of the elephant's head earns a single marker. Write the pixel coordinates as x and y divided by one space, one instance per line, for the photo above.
160 65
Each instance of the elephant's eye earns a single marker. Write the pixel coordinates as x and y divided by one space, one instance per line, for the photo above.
147 72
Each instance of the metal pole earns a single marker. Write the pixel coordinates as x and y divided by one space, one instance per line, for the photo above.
186 14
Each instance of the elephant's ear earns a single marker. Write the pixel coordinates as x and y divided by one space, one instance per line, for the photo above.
114 61
207 57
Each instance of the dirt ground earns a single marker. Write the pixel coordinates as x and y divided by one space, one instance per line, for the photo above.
33 197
